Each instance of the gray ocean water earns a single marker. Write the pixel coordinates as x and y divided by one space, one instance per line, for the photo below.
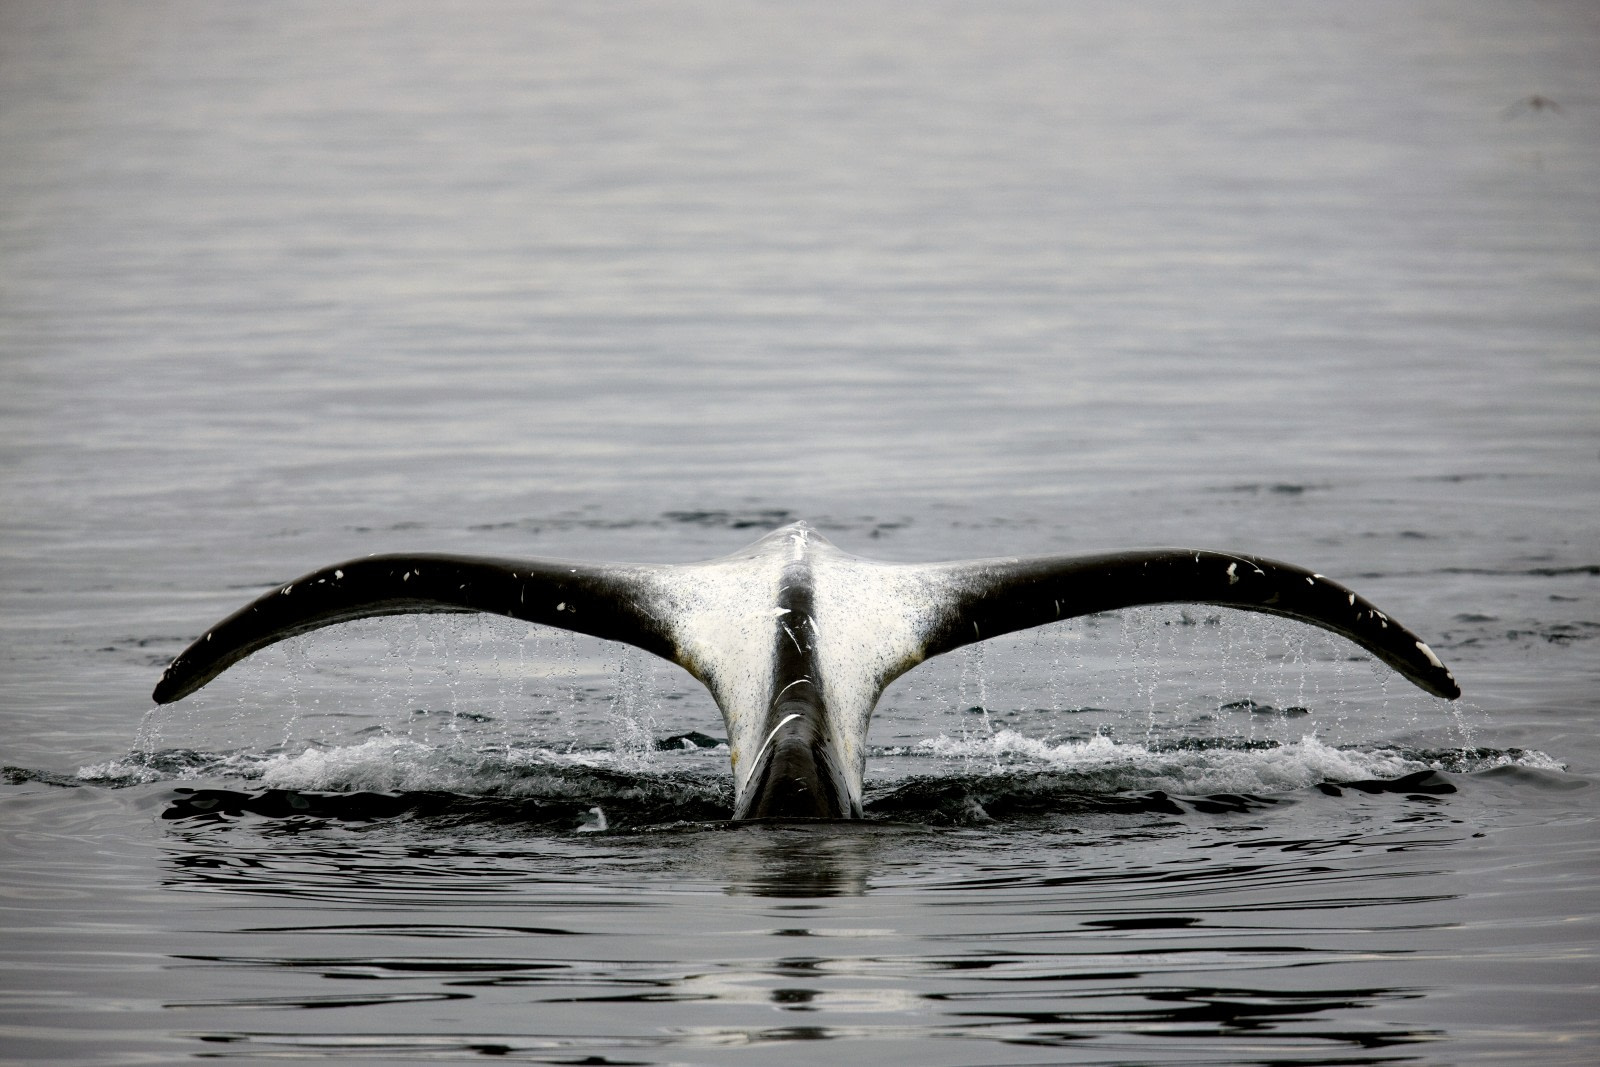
285 284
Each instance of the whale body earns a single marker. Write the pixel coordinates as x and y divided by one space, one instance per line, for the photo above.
794 638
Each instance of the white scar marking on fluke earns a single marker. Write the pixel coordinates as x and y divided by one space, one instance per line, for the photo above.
1233 573
1241 559
1426 651
785 721
791 685
797 646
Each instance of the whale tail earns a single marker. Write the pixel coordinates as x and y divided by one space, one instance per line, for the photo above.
795 639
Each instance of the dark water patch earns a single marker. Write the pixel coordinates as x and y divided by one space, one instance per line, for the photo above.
1241 1015
120 643
327 1000
23 775
1590 569
539 525
692 739
1558 633
1480 631
1461 479
960 800
1553 634
417 1047
1270 488
759 518
628 803
1255 708
746 519
134 645
764 519
426 930
1155 922
452 714
405 525
1421 785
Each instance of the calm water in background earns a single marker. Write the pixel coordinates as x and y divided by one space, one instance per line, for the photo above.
284 285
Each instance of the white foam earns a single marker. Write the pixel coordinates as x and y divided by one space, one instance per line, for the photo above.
381 764
403 765
1284 768
118 770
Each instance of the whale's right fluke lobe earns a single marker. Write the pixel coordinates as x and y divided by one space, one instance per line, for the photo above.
599 600
992 597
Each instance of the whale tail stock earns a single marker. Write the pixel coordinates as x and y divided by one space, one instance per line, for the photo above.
795 639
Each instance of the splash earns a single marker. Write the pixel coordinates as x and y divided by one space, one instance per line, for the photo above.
1195 767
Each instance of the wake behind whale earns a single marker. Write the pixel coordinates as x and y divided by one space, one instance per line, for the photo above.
795 639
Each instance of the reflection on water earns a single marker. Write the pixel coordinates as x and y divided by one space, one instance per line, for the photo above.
1261 939
822 860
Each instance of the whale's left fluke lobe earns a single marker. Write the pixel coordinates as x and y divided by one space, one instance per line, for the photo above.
602 601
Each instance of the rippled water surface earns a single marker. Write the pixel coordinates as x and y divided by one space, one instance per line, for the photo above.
284 285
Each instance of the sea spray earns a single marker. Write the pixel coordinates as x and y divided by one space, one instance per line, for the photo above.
633 723
1101 764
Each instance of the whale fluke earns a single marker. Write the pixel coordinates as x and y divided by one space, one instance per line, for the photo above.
535 590
795 639
1001 596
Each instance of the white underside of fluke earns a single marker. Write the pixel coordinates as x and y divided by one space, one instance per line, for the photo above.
867 627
